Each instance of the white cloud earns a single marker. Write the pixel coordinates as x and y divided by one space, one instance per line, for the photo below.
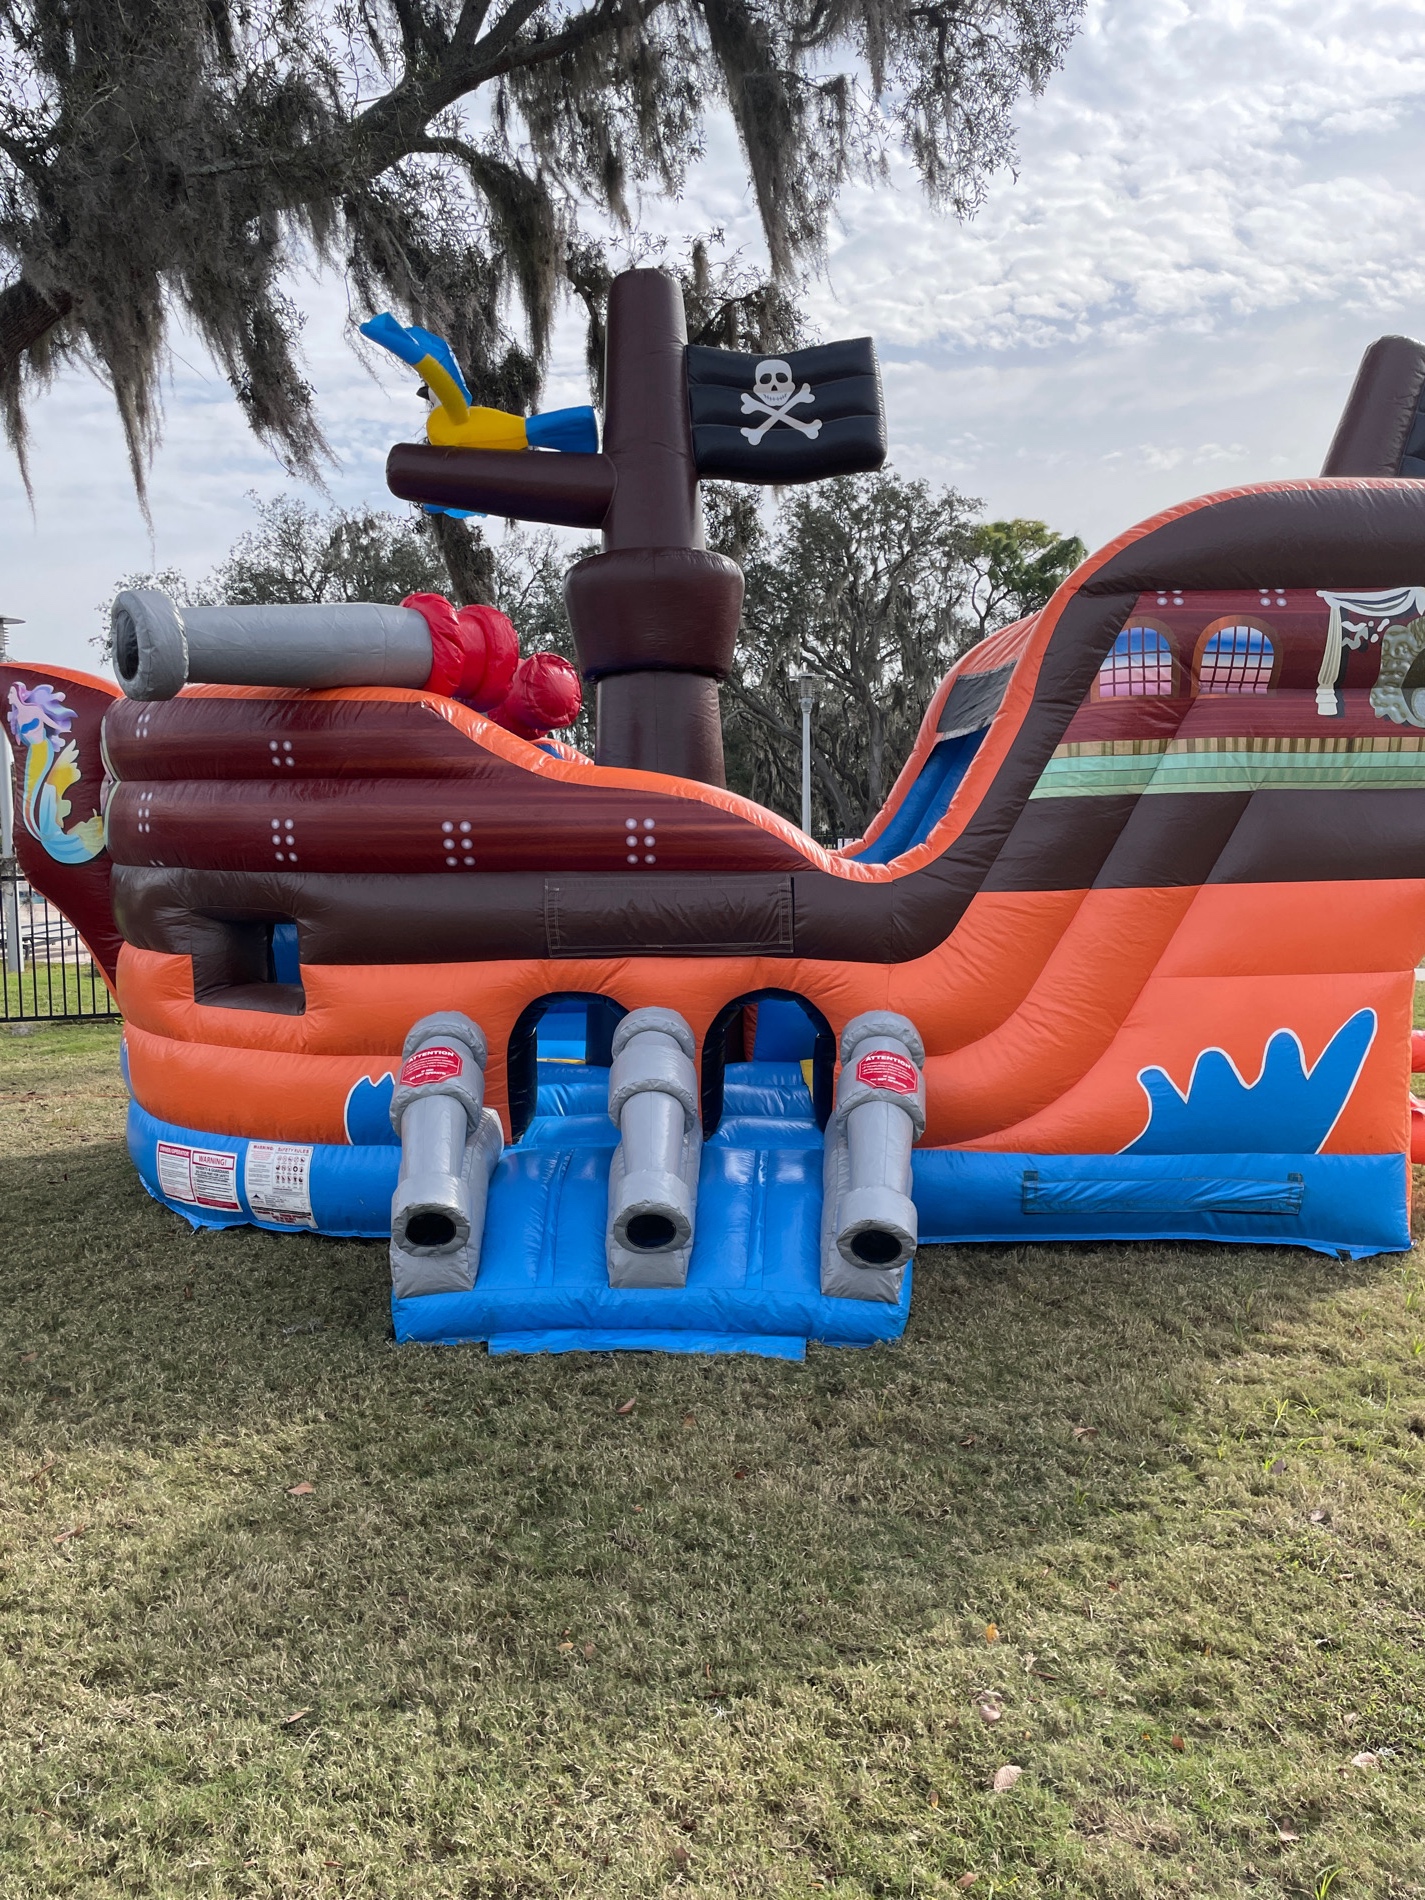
1215 209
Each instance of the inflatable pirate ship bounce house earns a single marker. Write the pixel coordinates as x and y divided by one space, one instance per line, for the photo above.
614 1057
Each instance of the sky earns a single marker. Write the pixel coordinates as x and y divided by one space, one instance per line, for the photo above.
1216 207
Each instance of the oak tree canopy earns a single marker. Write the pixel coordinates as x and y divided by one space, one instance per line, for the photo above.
460 160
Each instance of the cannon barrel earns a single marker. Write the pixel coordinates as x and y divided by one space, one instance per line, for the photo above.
450 1143
653 1178
159 648
869 1226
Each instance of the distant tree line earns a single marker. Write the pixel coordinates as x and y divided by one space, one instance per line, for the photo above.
872 585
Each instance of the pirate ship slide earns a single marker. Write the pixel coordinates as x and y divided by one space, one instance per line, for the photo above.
616 1057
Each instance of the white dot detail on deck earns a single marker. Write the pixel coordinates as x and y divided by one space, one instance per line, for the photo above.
456 842
632 841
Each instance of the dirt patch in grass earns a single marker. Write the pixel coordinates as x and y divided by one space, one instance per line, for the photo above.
1147 1523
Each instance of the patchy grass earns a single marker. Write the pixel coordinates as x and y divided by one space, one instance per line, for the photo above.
1159 1509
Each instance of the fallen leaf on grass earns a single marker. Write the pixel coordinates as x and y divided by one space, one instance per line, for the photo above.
992 1632
295 1716
29 1358
1276 1468
1006 1777
741 1472
680 1856
988 1709
934 1798
971 1440
967 1880
302 1490
688 1421
1178 1743
1285 1835
48 1466
1365 1759
79 1530
588 1652
564 1646
622 1411
1086 1431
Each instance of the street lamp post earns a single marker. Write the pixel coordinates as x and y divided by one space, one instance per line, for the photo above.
806 685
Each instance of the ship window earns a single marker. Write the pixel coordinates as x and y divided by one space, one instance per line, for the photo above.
1140 666
1235 659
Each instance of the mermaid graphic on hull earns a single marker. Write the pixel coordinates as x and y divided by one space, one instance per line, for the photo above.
40 722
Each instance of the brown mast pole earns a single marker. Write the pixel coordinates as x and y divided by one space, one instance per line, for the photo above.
655 615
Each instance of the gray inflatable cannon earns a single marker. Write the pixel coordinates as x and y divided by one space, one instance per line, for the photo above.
653 1178
450 1143
868 1223
159 649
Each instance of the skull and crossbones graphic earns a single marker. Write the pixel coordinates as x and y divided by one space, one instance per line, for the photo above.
771 396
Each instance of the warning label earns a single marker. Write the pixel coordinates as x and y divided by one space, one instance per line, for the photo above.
205 1176
277 1178
439 1063
884 1069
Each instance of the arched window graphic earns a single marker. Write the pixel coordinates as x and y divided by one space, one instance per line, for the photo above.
1140 666
1235 657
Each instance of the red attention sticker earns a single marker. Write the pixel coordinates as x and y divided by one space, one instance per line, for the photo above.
436 1064
884 1069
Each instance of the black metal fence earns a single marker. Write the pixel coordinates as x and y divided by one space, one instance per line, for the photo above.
49 975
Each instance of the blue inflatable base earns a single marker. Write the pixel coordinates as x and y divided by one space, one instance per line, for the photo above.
1338 1204
754 1281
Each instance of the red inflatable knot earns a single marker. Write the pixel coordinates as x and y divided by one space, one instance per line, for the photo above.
545 695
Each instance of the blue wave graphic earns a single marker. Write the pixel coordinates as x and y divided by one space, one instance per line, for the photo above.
1289 1109
368 1113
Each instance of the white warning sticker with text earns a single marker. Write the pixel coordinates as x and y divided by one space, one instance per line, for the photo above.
207 1177
278 1179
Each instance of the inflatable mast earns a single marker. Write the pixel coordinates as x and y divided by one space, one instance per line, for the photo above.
655 616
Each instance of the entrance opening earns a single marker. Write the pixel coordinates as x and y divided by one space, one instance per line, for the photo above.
558 1039
755 1039
247 963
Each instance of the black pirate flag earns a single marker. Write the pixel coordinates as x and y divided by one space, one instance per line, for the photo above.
793 418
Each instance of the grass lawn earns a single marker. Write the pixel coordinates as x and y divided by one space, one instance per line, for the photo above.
286 1610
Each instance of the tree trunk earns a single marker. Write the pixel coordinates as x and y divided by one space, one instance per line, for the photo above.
469 561
25 315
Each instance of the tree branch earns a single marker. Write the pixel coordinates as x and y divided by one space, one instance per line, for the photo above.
23 157
500 35
25 315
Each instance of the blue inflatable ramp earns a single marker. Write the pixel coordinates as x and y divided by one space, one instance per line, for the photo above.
754 1277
